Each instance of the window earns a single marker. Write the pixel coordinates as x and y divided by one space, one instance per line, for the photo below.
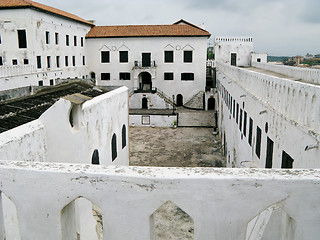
48 62
287 161
168 76
124 136
240 124
38 61
245 124
14 62
187 56
81 41
83 60
40 83
250 131
124 76
114 147
73 60
105 56
51 82
1 62
95 157
234 106
66 61
237 114
58 61
22 38
75 40
259 60
258 142
25 61
123 56
105 76
269 154
56 37
187 76
67 40
168 56
47 37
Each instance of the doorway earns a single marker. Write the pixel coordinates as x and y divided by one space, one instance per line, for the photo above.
233 59
179 100
144 103
211 104
145 81
269 153
146 59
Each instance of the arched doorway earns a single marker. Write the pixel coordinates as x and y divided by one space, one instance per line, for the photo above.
92 75
179 100
145 81
211 104
144 103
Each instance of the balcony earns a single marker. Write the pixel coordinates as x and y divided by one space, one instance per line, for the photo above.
145 64
221 203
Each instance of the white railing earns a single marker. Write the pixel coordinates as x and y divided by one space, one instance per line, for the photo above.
295 100
304 74
233 39
12 71
223 203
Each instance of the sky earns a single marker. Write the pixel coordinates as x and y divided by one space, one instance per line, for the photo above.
278 27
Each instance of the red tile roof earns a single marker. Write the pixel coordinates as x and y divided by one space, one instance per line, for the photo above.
39 6
179 29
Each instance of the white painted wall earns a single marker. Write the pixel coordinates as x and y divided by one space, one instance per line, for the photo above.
155 120
53 139
290 108
242 46
262 56
154 101
36 24
128 196
156 46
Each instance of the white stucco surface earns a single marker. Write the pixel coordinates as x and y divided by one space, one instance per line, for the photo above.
221 202
154 120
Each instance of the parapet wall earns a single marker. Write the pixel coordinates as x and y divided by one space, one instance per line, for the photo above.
305 74
223 203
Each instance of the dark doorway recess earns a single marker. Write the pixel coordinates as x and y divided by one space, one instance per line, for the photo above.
146 83
287 160
95 157
179 100
144 103
146 59
269 153
211 104
233 59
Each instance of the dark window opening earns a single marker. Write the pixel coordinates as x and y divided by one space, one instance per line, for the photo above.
146 59
25 61
73 60
245 124
14 62
22 38
40 83
237 114
168 76
179 100
105 76
48 62
168 56
234 107
258 142
187 76
287 160
187 56
114 147
233 59
1 61
56 37
124 76
240 124
67 40
144 103
250 131
95 157
123 56
58 61
66 61
269 153
51 82
81 41
266 127
211 104
105 56
83 60
124 136
47 37
75 40
259 60
38 61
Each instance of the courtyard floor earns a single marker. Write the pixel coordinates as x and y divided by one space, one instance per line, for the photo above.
175 147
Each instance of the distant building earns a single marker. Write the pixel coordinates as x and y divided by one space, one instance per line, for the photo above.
308 56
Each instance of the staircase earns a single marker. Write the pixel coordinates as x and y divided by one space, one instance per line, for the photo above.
196 101
165 97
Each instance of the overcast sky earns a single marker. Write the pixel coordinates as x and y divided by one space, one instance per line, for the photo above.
279 27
